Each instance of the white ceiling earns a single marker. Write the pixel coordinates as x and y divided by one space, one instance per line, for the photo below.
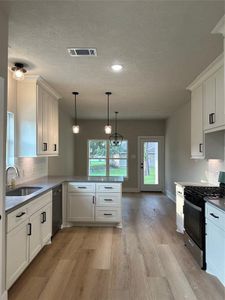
162 45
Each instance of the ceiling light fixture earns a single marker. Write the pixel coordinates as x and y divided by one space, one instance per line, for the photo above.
18 71
117 68
76 127
108 127
116 138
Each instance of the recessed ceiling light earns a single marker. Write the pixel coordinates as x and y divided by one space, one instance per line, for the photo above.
116 68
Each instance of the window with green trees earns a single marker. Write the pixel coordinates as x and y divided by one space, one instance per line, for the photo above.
107 160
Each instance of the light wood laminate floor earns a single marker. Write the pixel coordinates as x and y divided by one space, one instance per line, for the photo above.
146 260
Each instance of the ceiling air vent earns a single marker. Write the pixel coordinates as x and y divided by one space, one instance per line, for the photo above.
82 51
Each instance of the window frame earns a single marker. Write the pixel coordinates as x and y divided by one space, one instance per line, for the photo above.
10 159
107 158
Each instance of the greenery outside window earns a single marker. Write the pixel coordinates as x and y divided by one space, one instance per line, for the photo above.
10 140
107 160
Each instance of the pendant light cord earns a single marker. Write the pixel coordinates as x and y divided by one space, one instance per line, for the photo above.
75 105
108 110
116 127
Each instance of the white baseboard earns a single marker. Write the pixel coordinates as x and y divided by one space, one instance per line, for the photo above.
130 190
4 296
171 196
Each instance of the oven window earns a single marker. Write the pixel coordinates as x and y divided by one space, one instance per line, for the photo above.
193 224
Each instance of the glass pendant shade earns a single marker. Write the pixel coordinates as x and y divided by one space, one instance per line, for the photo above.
76 129
18 75
18 71
108 129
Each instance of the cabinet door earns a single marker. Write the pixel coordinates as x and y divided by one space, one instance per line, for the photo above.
209 102
17 253
55 122
179 213
81 207
35 234
219 81
215 251
46 223
197 146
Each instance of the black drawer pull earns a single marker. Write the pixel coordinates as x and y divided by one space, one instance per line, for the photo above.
214 216
82 187
107 214
200 147
21 214
29 229
43 218
55 147
108 187
108 199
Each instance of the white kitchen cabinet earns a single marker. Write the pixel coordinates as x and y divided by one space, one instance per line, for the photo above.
37 118
197 136
215 242
179 208
29 228
81 207
46 223
34 233
94 202
213 100
17 252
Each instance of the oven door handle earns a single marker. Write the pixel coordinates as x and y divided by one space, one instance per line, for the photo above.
192 205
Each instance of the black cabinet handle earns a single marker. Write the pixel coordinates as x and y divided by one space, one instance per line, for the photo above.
107 214
55 147
45 146
108 200
93 200
82 187
21 214
212 118
214 216
29 229
43 218
200 147
108 187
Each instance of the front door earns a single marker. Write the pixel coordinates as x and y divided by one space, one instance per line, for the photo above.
151 163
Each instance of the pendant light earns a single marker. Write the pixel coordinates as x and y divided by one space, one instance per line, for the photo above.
76 127
108 127
18 71
116 138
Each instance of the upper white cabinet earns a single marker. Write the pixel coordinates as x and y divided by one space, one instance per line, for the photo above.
213 104
37 118
197 137
208 111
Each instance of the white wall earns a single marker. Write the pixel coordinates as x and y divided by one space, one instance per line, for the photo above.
64 163
178 165
3 101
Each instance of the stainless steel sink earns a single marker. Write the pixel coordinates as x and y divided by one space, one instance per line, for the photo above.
23 191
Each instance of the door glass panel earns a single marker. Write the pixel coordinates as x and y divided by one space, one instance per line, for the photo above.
151 163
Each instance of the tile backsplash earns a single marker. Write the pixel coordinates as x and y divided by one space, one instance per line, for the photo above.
214 167
30 168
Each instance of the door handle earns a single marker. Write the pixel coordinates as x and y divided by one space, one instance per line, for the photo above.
55 147
29 228
142 165
43 218
45 146
201 147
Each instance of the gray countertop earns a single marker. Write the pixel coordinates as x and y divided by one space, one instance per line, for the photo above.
218 202
48 183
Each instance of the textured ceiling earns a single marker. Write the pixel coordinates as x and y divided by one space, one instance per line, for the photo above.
162 45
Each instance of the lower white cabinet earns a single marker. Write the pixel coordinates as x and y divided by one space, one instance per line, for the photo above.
81 207
94 202
179 208
215 242
29 228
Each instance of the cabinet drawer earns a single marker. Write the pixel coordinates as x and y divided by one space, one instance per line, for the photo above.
180 190
108 187
81 187
108 199
17 217
40 202
103 214
215 215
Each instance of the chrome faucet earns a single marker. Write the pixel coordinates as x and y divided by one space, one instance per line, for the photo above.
7 170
